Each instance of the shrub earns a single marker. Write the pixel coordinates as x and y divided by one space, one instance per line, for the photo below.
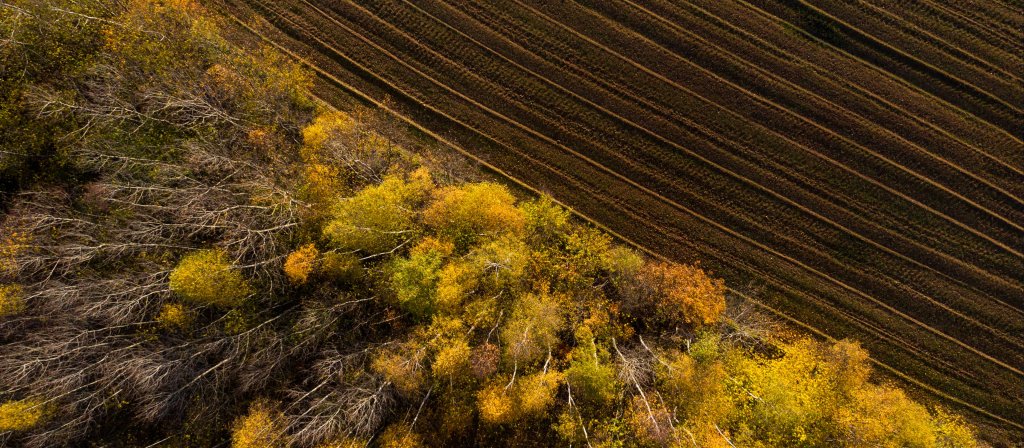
206 277
20 415
12 300
174 316
262 427
301 263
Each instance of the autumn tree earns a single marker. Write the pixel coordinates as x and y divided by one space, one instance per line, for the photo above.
207 277
673 295
463 214
382 217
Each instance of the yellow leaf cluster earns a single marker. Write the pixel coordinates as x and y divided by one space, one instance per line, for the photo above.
452 361
12 300
324 127
301 263
495 404
10 248
260 428
454 283
206 277
464 213
20 415
379 217
174 316
399 436
533 327
402 369
535 393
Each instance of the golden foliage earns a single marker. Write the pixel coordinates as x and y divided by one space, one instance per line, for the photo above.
535 393
495 404
465 213
951 431
452 361
677 294
885 417
206 277
324 127
399 436
20 415
301 263
402 368
174 316
13 245
12 300
455 282
380 217
533 328
262 427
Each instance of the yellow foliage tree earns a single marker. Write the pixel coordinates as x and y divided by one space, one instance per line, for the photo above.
301 263
380 217
454 283
402 367
325 127
885 417
399 436
452 361
20 415
590 377
465 213
675 294
414 279
532 330
535 393
262 427
206 277
495 404
951 431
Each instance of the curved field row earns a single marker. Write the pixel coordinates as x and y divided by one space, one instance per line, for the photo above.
880 27
436 88
852 40
670 95
587 189
1001 18
966 24
914 31
449 43
906 145
743 11
896 117
734 100
768 178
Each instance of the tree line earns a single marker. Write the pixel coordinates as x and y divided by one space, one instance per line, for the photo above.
195 253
